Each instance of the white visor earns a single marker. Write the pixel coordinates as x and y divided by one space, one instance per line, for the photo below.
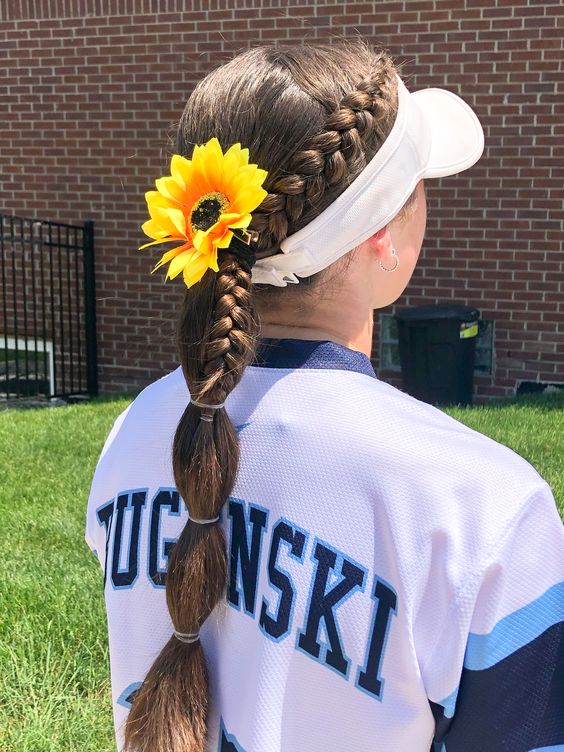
435 134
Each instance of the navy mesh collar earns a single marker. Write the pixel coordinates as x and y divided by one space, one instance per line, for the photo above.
309 353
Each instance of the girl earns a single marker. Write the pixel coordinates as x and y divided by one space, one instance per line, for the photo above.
297 555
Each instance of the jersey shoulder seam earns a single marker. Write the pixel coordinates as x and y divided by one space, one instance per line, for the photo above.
489 558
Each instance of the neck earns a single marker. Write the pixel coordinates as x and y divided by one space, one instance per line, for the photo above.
341 310
360 341
346 321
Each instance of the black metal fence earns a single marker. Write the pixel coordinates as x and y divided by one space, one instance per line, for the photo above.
47 309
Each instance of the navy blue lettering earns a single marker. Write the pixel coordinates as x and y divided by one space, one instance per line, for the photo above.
322 606
385 606
165 498
278 626
105 514
245 556
132 501
227 742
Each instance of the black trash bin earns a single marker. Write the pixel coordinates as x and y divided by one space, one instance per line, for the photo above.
437 346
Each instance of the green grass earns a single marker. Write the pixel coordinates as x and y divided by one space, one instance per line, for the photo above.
533 426
54 691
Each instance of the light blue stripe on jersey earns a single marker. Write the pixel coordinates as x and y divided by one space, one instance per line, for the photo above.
556 748
126 697
449 703
515 630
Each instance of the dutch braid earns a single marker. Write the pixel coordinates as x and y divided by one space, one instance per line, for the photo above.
334 157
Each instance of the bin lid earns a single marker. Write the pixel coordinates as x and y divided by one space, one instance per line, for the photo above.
438 311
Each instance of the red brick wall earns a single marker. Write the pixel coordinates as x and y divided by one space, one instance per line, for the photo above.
93 88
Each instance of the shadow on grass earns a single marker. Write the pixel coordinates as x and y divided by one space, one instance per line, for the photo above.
542 402
114 397
30 404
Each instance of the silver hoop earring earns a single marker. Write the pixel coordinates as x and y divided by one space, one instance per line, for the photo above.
395 254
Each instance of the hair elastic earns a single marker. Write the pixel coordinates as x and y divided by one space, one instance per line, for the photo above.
204 405
240 247
187 637
203 522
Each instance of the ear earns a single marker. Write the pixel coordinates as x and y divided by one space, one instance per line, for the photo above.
380 244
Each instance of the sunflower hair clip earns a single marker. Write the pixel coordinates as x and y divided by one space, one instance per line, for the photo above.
206 204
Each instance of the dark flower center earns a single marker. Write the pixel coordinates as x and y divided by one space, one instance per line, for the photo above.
207 210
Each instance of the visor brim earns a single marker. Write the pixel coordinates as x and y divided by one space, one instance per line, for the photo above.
457 137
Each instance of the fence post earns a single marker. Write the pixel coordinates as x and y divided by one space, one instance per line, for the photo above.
90 310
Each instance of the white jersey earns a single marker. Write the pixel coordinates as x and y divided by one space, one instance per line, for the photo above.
396 579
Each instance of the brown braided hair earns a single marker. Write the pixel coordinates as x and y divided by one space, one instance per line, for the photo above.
312 116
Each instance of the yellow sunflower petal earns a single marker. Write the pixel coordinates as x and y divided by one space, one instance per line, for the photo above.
227 217
156 200
171 220
209 163
242 178
197 160
178 219
247 200
214 173
232 162
169 188
214 144
179 262
199 239
195 270
198 182
160 241
158 209
153 229
181 170
213 260
234 152
150 195
236 220
213 234
210 239
257 177
224 240
171 254
261 175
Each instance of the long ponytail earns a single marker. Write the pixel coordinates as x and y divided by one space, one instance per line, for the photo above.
216 340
